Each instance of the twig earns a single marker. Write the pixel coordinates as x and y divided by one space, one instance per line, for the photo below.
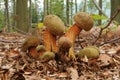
8 41
111 19
99 8
110 41
20 31
80 42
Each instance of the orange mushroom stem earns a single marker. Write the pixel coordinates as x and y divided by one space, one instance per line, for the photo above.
54 27
73 32
49 41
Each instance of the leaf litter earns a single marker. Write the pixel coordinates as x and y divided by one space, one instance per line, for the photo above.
16 65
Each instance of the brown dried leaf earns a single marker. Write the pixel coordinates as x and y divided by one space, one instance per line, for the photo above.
73 73
13 53
62 75
105 60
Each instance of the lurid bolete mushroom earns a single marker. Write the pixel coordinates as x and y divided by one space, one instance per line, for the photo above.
34 50
82 21
54 24
90 52
54 27
47 56
30 45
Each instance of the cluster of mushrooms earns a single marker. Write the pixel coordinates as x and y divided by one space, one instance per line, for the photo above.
57 43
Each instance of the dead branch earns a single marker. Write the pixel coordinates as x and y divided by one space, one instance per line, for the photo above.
111 19
20 31
99 8
10 41
110 41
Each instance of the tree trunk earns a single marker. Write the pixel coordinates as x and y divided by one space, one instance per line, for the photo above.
7 15
71 8
13 20
45 8
84 8
67 12
114 5
100 13
36 11
22 22
75 6
30 15
50 6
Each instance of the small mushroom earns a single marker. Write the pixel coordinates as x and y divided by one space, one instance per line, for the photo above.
47 56
40 48
89 52
64 42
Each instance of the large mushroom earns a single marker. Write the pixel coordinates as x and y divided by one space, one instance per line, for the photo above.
54 27
82 21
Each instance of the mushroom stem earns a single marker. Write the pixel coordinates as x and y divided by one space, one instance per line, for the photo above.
70 36
49 41
72 33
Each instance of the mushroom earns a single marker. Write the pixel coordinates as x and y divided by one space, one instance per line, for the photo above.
54 24
82 21
54 27
47 56
90 52
31 41
30 45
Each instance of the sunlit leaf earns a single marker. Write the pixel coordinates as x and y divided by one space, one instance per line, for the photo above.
98 17
40 25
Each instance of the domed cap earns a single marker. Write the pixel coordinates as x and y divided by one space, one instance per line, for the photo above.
54 24
84 21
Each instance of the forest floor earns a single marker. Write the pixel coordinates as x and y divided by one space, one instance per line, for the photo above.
15 66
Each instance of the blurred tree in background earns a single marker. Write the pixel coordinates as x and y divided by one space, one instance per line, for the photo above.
23 15
115 4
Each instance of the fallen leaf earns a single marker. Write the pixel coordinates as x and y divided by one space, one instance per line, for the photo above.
62 75
73 73
105 60
27 73
13 53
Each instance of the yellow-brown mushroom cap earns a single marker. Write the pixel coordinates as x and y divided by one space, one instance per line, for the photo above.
89 52
84 20
64 43
54 24
31 41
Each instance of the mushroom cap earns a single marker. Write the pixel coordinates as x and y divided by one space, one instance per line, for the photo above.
64 43
31 41
54 24
40 48
89 52
48 56
84 20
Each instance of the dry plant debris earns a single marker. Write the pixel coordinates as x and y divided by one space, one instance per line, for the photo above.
16 65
